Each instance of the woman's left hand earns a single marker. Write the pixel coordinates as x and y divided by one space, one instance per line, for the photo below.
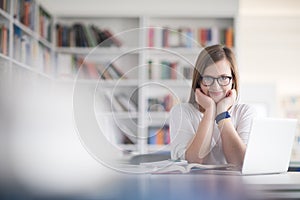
227 101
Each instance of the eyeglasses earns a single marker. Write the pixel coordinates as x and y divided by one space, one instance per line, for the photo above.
209 80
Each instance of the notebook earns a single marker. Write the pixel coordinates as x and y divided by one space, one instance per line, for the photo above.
269 147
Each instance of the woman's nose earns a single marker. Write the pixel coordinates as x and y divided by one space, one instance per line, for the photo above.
215 85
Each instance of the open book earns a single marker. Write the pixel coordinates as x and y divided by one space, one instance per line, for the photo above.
181 166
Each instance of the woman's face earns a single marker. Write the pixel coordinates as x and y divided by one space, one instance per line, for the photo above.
216 91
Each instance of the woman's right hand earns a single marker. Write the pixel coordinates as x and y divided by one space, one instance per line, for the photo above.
203 100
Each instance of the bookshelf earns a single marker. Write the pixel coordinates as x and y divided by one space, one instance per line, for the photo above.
139 73
22 44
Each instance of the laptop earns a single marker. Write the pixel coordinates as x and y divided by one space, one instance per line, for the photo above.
269 147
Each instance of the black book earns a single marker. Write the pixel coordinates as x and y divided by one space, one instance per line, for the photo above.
80 37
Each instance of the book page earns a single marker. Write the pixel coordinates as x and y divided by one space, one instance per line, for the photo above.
172 169
201 166
192 166
164 163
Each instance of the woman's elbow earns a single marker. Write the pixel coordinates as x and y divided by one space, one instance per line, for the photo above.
194 158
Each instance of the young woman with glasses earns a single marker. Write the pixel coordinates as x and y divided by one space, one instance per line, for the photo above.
212 128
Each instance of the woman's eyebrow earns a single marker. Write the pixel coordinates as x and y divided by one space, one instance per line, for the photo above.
218 76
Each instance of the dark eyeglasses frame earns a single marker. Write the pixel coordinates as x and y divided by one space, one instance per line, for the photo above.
218 80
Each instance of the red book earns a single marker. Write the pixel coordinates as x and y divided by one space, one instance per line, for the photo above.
59 35
203 36
167 134
173 66
91 68
26 13
151 37
114 39
42 26
4 40
229 37
160 137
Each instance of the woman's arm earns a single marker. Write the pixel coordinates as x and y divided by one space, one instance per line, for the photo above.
233 147
200 144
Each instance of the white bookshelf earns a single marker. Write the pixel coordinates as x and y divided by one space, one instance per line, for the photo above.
133 60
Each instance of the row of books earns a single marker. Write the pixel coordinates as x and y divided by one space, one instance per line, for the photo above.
5 4
165 69
81 35
4 39
161 103
69 65
31 52
25 11
159 135
189 37
45 21
96 70
120 102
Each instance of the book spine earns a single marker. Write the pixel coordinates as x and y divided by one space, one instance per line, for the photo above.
4 40
159 135
151 37
229 37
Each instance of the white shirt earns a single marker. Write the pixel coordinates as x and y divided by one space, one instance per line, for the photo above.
184 121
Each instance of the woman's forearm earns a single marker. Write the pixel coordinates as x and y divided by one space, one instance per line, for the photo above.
200 145
233 147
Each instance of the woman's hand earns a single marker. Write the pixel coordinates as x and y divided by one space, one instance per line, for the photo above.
203 100
226 102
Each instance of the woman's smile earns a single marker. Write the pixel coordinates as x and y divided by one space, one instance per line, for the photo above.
215 93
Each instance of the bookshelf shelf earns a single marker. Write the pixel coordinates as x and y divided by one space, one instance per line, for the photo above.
157 118
7 58
26 29
119 115
177 50
29 68
24 66
5 15
174 83
109 83
45 42
94 50
119 83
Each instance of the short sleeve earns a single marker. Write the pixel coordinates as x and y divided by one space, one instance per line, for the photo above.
245 116
181 130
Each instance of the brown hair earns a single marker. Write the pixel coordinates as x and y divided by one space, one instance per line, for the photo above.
207 57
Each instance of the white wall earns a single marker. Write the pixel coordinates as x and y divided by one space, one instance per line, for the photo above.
269 43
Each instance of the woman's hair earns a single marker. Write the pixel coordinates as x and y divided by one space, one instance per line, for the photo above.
207 57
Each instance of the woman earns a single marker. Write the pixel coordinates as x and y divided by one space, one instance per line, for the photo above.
212 128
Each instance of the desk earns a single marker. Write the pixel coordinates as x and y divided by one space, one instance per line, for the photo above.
200 186
277 186
184 186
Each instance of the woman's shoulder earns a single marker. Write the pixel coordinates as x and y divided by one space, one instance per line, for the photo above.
183 108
